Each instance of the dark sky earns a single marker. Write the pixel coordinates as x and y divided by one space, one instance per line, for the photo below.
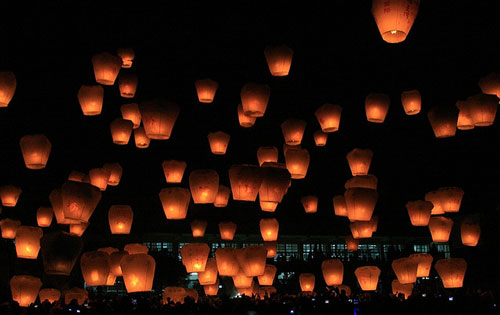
339 57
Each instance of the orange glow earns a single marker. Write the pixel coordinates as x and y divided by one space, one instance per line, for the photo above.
9 195
204 185
359 161
419 212
394 18
424 263
244 120
340 206
121 130
141 139
451 271
222 197
44 216
95 267
24 289
218 142
245 181
128 85
440 228
99 178
138 272
310 203
367 277
269 229
127 55
131 112
227 230
268 277
443 121
158 118
328 116
254 99
279 60
470 232
115 173
9 228
333 271
405 269
91 98
206 89
376 107
320 138
106 68
175 202
297 162
120 219
36 151
8 85
360 203
293 130
28 242
307 281
209 276
198 228
412 102
194 256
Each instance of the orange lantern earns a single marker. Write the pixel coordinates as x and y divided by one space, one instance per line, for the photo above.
138 272
440 228
340 206
95 267
362 181
99 178
490 84
158 118
279 60
50 295
194 256
114 262
419 212
9 195
120 219
451 271
310 203
174 295
245 181
7 87
227 263
227 230
333 271
307 281
36 151
267 154
28 241
244 120
79 200
328 117
376 107
211 290
424 263
24 289
394 18
175 202
78 228
268 206
90 98
254 99
269 229
141 139
128 85
405 269
44 216
268 277
241 281
464 121
136 248
9 228
121 130
174 170
252 260
106 68
76 176
367 277
352 244
77 294
412 102
470 232
435 198
127 55
60 250
450 198
198 228
359 161
131 112
206 89
56 200
320 138
222 197
398 288
115 173
274 185
483 109
297 162
204 185
361 229
218 142
293 130
360 203
443 121
209 276
271 248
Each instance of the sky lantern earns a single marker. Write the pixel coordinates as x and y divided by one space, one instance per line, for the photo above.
28 241
138 272
194 256
35 150
218 142
440 228
412 102
360 203
120 219
121 130
376 107
269 229
359 161
293 130
405 269
60 250
241 281
451 271
106 68
362 181
227 230
24 289
158 118
127 83
274 185
204 185
198 228
254 99
279 59
78 228
222 197
9 228
114 262
464 121
490 84
227 263
7 87
49 294
136 248
95 267
252 260
245 181
310 203
450 198
268 277
297 162
174 295
435 198
175 202
367 277
443 121
394 18
398 287
99 178
267 154
483 109
339 206
141 139
76 176
419 212
307 281
244 120
127 55
424 263
9 195
44 216
268 206
56 201
90 98
320 138
470 232
206 89
80 295
79 200
131 112
209 276
328 116
361 229
271 248
333 271
212 289
352 243
115 173
173 170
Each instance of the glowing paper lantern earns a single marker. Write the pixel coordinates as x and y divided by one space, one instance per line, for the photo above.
138 272
412 102
340 206
44 216
360 203
483 109
274 185
173 170
80 295
127 55
376 107
7 87
268 206
443 121
394 18
398 288
333 271
131 112
293 130
470 232
271 248
141 139
78 228
297 162
328 116
24 289
244 120
254 99
95 267
440 228
60 250
209 276
115 173
206 89
79 200
56 201
158 118
362 181
211 290
227 230
175 202
307 281
464 121
451 271
405 269
9 228
435 198
279 60
77 176
106 68
121 130
136 248
269 229
28 241
90 98
218 142
245 181
222 197
99 178
352 244
367 277
450 198
310 203
128 85
36 151
361 229
424 263
267 154
195 256
320 138
198 228
252 260
241 281
50 295
419 212
114 262
9 195
204 185
359 161
490 84
227 263
268 277
120 219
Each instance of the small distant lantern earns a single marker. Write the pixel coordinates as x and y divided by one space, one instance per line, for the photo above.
394 18
120 219
77 176
9 195
204 185
28 242
138 272
451 271
310 203
7 87
128 85
267 154
490 84
115 173
175 202
136 248
195 256
328 117
80 295
254 99
443 121
360 203
440 228
376 107
206 89
405 269
244 120
271 248
227 230
412 102
99 178
362 181
464 121
297 162
227 263
50 295
141 139
44 216
307 281
470 232
293 130
9 228
274 186
419 212
131 112
95 267
198 228
245 181
114 262
359 161
424 263
279 60
222 197
106 68
434 197
218 142
174 171
269 229
483 109
158 118
367 277
333 271
320 138
121 130
352 243
268 277
127 55
361 229
339 206
209 276
78 228
36 151
79 200
252 260
241 281
24 289
399 288
212 289
60 250
90 98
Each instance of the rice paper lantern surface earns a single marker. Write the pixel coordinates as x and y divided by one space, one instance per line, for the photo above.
127 55
394 18
141 139
361 229
9 228
198 228
419 212
227 263
174 170
293 130
121 130
241 281
244 120
359 161
267 154
399 288
79 200
158 118
470 232
268 277
269 229
376 107
44 216
254 99
9 194
60 250
35 150
252 260
120 218
138 272
115 173
360 203
307 281
434 197
272 248
362 181
131 112
443 121
218 142
227 230
320 138
24 289
405 269
174 295
245 181
195 256
106 68
483 109
412 102
127 84
222 197
352 243
175 202
209 276
274 184
310 203
424 263
91 98
211 290
99 178
279 59
28 241
136 248
78 228
297 162
490 84
440 228
367 277
333 271
114 262
204 185
95 267
80 295
50 295
206 89
464 121
328 116
339 206
451 271
8 85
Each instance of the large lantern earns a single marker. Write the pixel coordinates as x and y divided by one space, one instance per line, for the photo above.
127 55
158 118
95 267
209 276
279 59
128 85
252 260
274 185
195 256
424 263
204 185
138 272
50 295
7 87
99 178
141 139
434 197
362 181
419 212
367 277
198 228
211 290
440 228
310 203
490 84
106 68
450 198
405 269
412 102
320 138
293 130
254 99
360 203
339 206
376 107
399 288
268 277
451 271
173 170
28 241
297 162
90 98
245 181
36 151
269 229
115 173
222 197
333 271
244 120
121 130
361 229
60 250
206 89
9 228
359 161
9 195
227 230
24 289
44 216
136 248
352 243
131 112
307 281
443 121
483 109
227 263
328 117
267 154
272 248
114 262
80 295
241 281
470 232
79 200
78 228
464 121
120 219
175 202
218 142
394 18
